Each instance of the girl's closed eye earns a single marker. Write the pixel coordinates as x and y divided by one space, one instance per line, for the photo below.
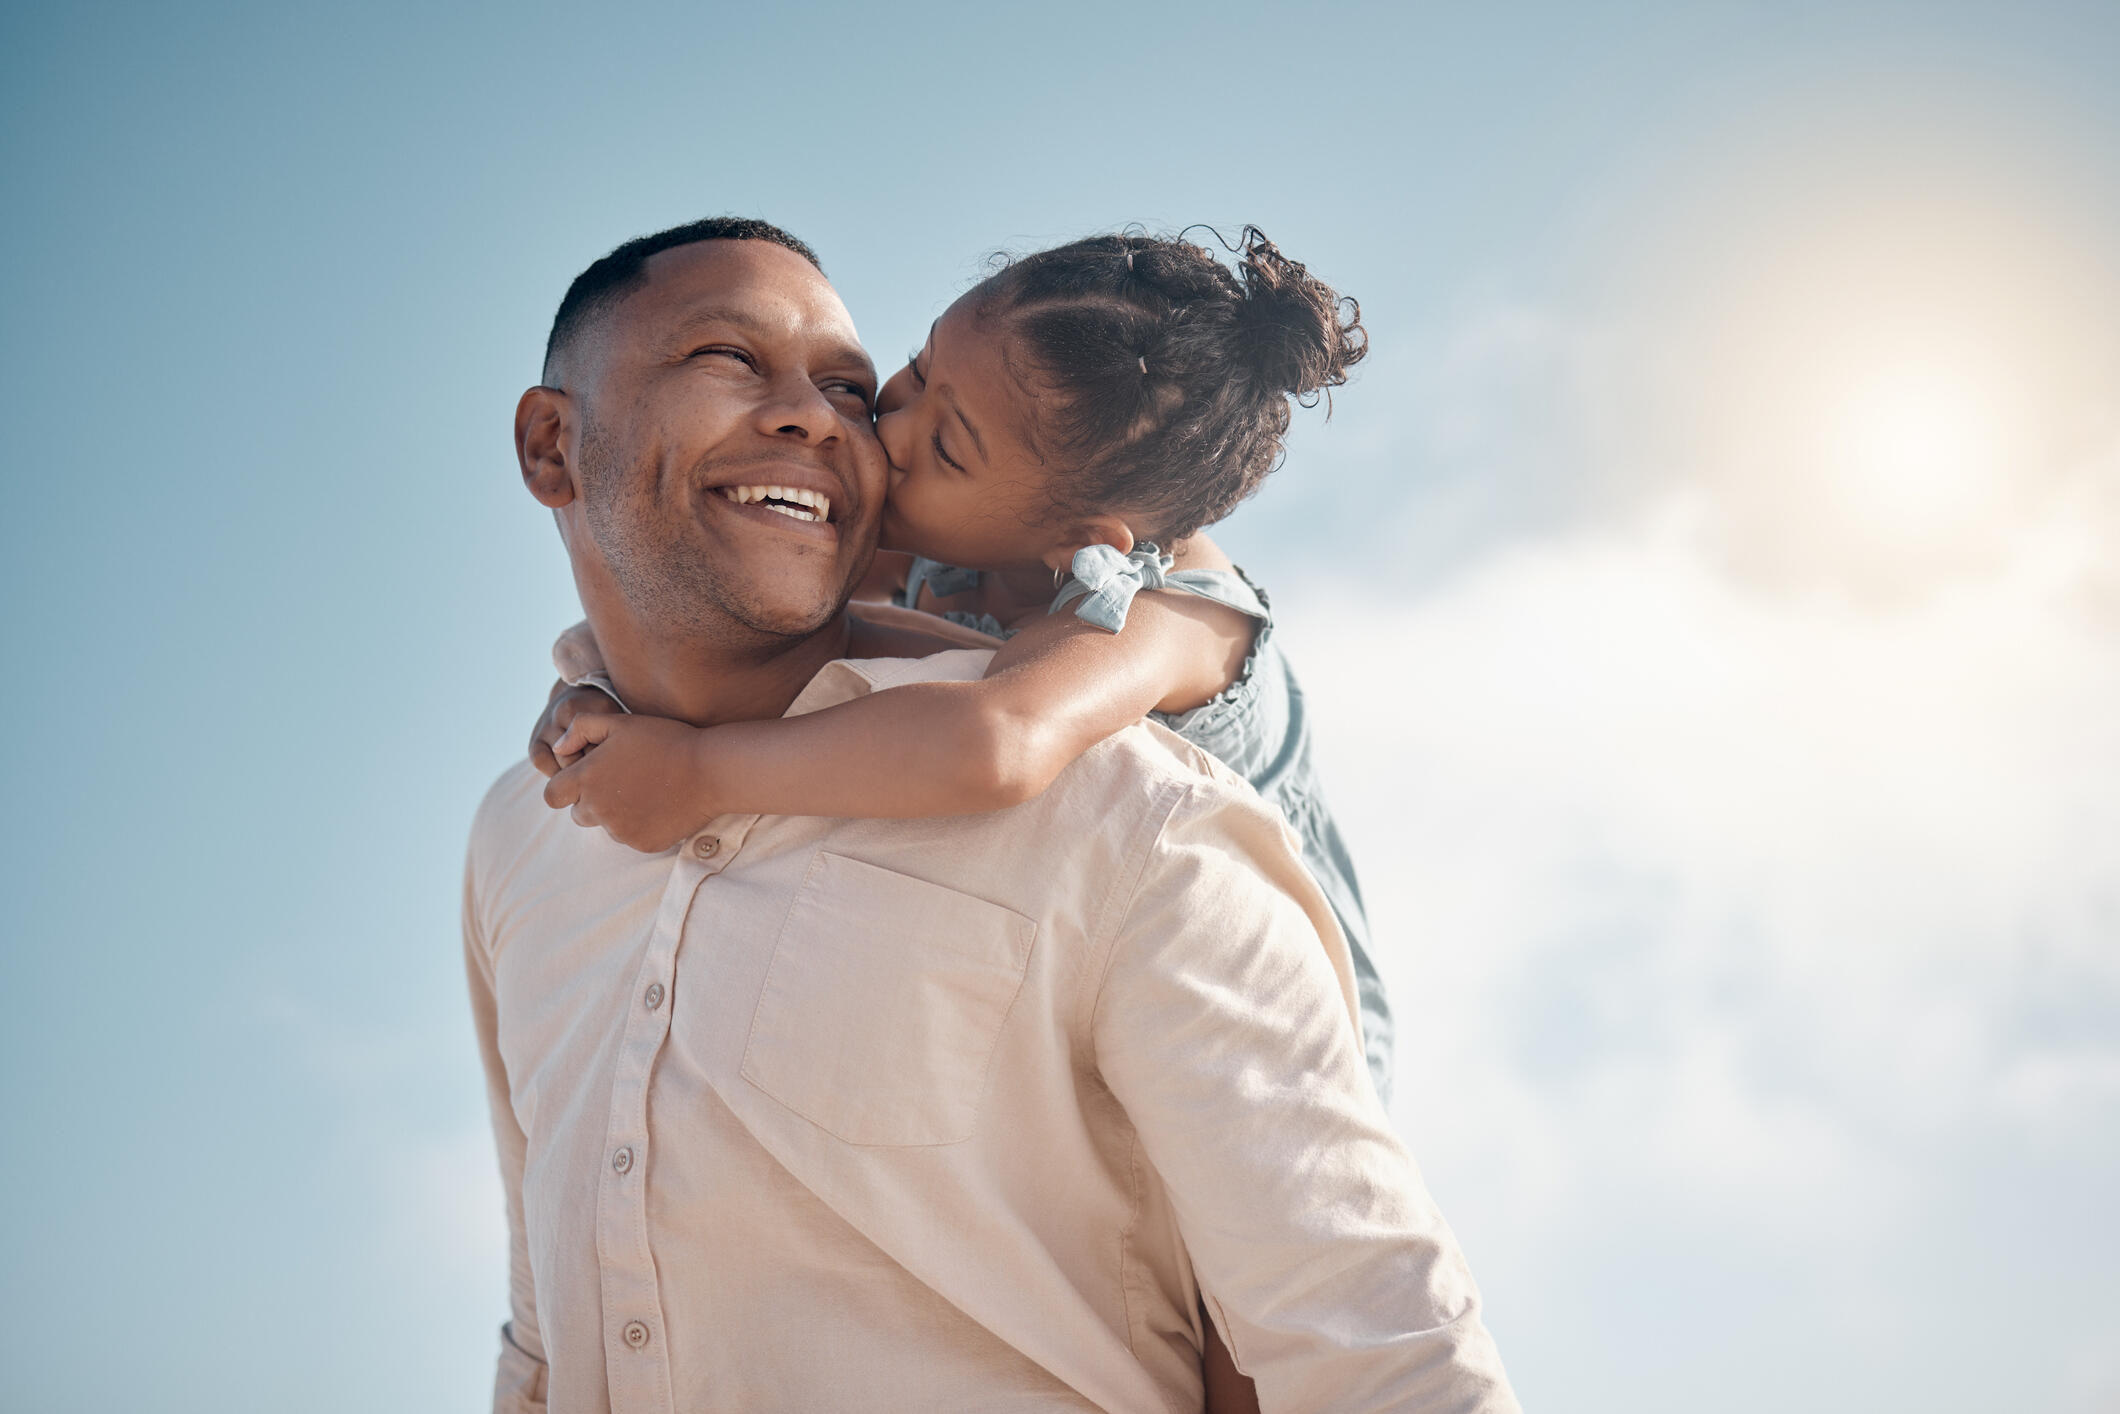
942 454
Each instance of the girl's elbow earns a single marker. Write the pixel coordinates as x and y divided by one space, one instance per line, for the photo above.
1004 790
1005 781
1016 763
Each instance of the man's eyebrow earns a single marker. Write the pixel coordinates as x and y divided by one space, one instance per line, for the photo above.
721 314
750 323
857 356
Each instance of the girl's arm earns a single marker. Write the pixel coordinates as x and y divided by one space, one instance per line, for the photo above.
935 748
876 630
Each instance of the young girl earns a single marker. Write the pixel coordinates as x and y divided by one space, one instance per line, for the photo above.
1066 418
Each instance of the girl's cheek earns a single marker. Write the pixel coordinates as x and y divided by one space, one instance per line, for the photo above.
909 523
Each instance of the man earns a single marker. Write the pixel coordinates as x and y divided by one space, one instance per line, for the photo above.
931 1114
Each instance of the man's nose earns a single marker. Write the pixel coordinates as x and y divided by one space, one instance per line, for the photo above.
795 407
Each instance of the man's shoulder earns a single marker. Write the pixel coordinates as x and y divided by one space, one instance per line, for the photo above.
1152 786
1150 757
1165 751
1220 849
513 791
512 810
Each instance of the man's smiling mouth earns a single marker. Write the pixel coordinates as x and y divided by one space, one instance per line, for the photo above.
791 501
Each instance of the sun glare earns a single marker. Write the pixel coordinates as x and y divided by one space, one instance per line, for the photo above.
1918 454
1885 389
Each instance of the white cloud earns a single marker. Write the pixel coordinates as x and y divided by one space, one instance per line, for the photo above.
425 1189
1714 907
442 1208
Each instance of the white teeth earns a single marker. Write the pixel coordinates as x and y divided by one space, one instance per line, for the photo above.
818 506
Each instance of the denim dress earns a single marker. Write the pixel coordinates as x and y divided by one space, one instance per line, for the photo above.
1259 728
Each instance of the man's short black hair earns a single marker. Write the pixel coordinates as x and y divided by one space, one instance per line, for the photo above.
606 282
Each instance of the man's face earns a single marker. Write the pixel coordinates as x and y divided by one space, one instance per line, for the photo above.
729 475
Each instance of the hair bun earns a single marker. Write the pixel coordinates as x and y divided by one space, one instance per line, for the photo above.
1300 336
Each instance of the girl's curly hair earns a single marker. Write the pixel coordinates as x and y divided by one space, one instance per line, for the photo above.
1165 376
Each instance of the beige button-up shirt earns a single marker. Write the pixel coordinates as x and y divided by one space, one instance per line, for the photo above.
818 1114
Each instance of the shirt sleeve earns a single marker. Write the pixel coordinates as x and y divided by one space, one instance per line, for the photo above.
1223 1026
519 1377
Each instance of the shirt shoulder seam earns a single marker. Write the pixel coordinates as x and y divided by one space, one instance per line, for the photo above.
1126 885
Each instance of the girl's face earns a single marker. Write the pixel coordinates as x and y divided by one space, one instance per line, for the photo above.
967 484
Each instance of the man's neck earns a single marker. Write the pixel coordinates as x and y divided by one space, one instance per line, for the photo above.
707 684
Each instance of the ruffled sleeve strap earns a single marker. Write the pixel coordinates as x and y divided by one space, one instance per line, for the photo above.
1107 581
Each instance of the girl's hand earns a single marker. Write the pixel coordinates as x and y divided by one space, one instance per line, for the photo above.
642 778
567 703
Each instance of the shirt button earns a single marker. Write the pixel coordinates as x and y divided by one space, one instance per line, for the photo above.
636 1334
706 846
654 995
622 1160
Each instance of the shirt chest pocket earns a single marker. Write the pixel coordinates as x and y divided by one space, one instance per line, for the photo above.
883 1002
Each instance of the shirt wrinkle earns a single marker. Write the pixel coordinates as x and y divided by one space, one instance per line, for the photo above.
1126 1237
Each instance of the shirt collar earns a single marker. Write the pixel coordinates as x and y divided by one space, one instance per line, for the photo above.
844 679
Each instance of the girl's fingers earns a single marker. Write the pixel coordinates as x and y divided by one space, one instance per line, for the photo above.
559 710
564 789
585 731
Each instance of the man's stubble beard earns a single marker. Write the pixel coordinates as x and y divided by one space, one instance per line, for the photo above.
669 585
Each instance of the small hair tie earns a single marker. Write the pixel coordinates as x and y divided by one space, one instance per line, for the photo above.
1144 363
1129 257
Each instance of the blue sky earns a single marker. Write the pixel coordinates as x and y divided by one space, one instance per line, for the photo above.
1707 587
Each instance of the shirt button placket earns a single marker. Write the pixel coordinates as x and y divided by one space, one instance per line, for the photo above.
640 1374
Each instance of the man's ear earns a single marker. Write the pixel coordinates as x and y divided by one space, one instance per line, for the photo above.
1092 530
544 426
